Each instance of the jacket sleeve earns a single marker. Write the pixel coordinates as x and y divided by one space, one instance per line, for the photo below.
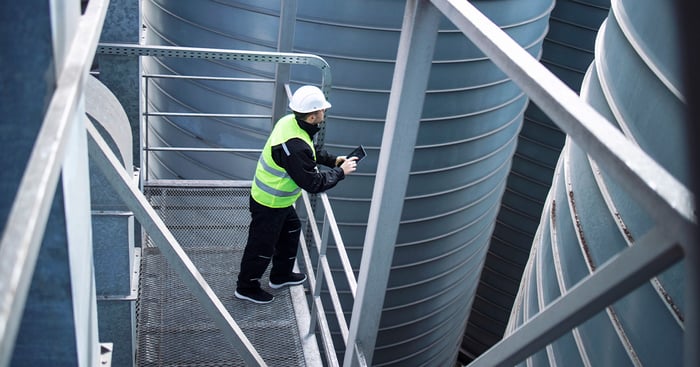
296 158
325 158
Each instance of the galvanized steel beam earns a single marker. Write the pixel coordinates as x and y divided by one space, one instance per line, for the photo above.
317 310
340 246
220 54
320 239
285 43
26 223
414 59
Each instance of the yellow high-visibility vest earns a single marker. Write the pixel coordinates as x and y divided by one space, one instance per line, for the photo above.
272 186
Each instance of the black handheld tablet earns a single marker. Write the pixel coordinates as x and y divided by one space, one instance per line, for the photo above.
359 152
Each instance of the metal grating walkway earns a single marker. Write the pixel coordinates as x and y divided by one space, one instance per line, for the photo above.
211 224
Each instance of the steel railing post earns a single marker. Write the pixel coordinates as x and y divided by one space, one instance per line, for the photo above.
285 43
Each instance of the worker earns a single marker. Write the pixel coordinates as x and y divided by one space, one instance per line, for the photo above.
287 165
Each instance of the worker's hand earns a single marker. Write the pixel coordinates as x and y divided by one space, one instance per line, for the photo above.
340 160
349 165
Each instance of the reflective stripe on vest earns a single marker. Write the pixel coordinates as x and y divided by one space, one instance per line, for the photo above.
272 185
271 170
274 192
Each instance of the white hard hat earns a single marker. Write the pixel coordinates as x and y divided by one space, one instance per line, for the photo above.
308 99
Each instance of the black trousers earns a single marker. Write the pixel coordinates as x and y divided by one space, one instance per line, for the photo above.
273 236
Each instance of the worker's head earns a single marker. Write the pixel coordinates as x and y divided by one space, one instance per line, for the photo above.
309 104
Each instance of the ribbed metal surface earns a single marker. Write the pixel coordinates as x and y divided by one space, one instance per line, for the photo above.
211 224
215 24
470 122
588 218
468 134
567 52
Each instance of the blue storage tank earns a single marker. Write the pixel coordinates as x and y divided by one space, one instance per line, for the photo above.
209 24
635 83
468 134
567 52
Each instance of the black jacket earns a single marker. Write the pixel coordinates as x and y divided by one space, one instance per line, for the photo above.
298 160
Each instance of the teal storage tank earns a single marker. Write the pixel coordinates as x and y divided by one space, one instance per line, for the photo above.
567 52
468 131
635 83
468 134
209 24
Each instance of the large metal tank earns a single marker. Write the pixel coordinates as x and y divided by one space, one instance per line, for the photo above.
468 134
588 218
567 52
212 24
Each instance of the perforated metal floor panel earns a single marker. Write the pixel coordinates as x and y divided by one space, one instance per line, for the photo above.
172 328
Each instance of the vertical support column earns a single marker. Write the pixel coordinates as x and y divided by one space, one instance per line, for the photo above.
76 193
414 58
144 152
75 232
285 43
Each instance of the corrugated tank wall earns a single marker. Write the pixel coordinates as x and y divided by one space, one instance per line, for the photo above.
470 122
468 135
567 52
634 82
239 25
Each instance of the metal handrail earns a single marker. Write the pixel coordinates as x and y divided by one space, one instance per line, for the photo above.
145 146
220 54
26 223
339 244
321 242
319 315
220 115
320 239
223 150
207 53
214 78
